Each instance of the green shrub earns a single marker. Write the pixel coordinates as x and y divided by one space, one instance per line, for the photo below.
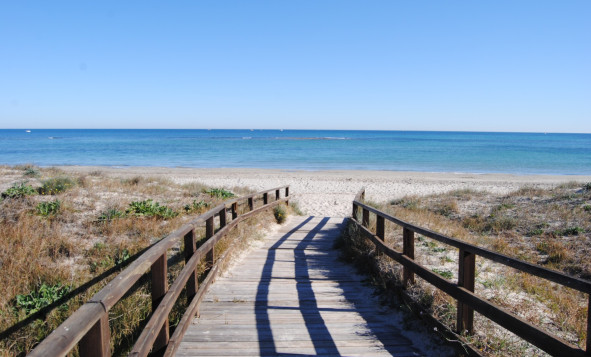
110 214
280 213
587 208
30 171
535 232
587 186
196 206
48 208
44 296
55 185
444 273
447 208
121 255
572 231
19 190
149 208
220 193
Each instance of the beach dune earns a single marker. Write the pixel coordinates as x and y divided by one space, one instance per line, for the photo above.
330 193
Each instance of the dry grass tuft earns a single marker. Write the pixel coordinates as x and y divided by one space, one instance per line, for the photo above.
550 227
80 246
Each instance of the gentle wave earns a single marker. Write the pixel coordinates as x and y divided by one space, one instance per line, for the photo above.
519 153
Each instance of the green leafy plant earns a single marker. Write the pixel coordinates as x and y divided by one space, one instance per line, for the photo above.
38 299
587 208
220 193
56 185
19 190
444 273
587 186
149 208
48 208
111 214
121 255
280 213
196 206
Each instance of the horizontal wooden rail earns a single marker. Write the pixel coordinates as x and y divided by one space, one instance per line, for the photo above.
88 326
463 291
554 276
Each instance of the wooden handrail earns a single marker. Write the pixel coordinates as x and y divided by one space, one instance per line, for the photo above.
88 326
463 291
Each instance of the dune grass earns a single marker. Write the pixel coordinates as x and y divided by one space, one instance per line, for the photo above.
550 227
56 253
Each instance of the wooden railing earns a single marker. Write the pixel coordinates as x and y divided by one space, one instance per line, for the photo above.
88 327
463 291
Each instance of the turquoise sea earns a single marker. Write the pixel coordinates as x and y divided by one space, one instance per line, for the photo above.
475 152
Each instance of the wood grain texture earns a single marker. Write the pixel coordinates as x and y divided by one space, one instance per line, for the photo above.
293 296
549 343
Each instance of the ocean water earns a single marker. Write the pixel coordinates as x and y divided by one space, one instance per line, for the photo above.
474 152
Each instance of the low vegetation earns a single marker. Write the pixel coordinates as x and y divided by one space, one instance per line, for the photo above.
220 193
49 208
55 185
19 190
549 227
149 208
55 254
280 213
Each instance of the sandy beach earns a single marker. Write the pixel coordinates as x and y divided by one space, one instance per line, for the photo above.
329 193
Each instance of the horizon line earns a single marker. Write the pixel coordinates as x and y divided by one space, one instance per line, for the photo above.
283 129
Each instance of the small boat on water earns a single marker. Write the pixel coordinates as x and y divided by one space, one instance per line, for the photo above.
27 131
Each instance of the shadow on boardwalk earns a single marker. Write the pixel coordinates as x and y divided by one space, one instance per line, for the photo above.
315 252
293 296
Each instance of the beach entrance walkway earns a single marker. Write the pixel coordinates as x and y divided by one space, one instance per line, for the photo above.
292 296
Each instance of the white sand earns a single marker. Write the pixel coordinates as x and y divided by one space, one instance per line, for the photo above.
330 193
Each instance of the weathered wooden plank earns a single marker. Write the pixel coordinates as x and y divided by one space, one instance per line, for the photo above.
344 342
519 326
552 275
86 319
96 342
292 295
310 351
159 274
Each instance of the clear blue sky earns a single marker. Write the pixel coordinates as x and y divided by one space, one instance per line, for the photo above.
392 65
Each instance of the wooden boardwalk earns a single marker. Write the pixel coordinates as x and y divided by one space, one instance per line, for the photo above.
293 297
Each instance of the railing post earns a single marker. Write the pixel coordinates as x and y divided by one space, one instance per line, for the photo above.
96 342
287 195
265 198
192 283
466 276
365 221
159 289
589 327
380 227
209 232
250 203
276 195
355 211
408 249
223 217
234 210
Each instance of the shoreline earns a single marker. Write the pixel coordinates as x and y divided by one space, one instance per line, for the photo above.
125 167
330 192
